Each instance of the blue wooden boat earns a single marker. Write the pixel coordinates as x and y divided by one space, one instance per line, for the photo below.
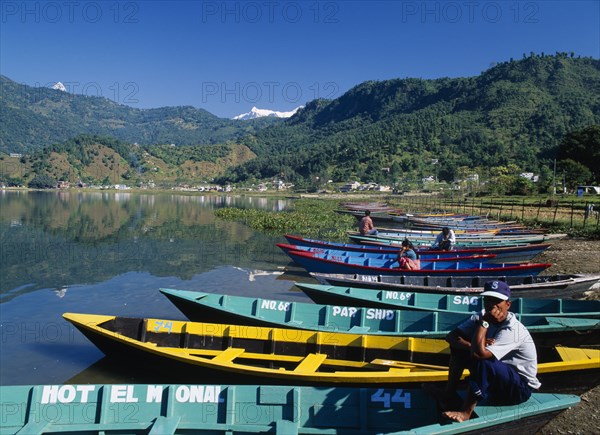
239 310
163 409
328 294
392 256
314 262
539 286
510 254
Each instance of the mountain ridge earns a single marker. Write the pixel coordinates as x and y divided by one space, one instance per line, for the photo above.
514 113
37 117
256 113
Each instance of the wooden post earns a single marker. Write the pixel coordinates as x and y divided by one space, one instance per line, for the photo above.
555 211
572 211
537 217
523 211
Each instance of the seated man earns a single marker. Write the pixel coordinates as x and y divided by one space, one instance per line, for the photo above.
365 226
498 351
445 240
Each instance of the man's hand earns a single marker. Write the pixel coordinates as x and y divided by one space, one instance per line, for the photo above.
493 315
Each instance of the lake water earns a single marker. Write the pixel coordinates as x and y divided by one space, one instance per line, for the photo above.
109 253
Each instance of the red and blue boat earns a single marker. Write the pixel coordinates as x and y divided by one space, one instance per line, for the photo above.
324 263
508 254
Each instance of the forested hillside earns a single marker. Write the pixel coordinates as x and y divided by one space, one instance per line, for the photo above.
107 161
35 117
517 112
512 118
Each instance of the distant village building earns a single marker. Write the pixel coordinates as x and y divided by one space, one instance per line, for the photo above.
383 188
530 176
591 190
350 186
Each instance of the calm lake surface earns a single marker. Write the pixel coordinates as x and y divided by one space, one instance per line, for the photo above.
109 253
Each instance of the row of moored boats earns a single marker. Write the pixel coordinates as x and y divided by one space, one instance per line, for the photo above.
355 356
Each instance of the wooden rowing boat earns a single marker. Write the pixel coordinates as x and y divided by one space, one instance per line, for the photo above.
390 256
373 240
290 356
315 262
509 254
328 294
239 310
539 286
465 239
163 409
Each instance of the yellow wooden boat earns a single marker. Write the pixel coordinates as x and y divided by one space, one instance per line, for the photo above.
287 355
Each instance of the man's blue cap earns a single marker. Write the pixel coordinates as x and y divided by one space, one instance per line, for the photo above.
496 289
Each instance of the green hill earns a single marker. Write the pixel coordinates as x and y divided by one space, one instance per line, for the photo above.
510 118
514 113
34 117
107 161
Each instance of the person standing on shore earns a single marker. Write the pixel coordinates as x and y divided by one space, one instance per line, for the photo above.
365 226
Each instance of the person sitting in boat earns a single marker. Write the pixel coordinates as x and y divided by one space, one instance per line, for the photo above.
407 258
365 226
445 240
498 351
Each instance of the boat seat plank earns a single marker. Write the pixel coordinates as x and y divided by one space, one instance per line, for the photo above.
164 425
228 355
573 322
405 364
572 353
311 363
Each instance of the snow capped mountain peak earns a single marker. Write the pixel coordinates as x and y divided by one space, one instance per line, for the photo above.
59 87
261 113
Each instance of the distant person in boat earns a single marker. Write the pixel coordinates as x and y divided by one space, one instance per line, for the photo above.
445 240
499 353
407 258
365 226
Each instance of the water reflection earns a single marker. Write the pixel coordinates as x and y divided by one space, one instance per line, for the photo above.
109 253
55 239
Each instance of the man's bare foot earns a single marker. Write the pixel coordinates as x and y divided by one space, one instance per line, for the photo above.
457 415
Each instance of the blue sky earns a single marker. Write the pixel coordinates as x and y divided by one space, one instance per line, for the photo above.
227 57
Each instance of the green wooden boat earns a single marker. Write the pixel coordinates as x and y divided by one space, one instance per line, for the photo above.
193 350
334 295
210 307
247 409
462 244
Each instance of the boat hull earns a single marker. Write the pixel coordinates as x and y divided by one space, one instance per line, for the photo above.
292 357
315 263
208 307
541 287
511 254
248 409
